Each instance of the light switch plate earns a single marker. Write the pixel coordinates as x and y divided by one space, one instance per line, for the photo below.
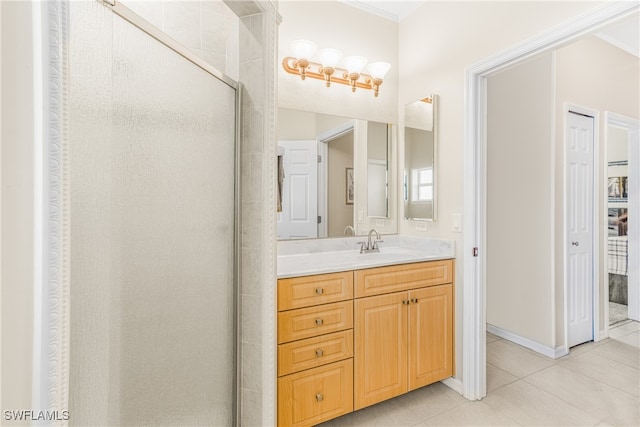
456 221
360 216
379 222
421 226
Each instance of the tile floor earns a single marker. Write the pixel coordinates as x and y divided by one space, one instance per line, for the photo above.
597 384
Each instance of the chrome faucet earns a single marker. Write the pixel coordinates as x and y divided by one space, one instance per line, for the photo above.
370 246
349 228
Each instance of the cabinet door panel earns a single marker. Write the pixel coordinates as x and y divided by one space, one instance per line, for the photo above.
316 395
430 335
383 280
380 356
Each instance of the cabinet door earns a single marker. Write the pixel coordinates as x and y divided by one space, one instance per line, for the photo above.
380 357
430 335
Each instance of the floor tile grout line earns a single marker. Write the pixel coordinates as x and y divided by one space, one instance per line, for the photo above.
571 404
600 380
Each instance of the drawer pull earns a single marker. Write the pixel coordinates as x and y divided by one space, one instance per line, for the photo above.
319 353
319 397
319 291
319 322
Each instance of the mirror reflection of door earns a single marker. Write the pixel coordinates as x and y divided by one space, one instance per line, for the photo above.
339 202
343 144
377 169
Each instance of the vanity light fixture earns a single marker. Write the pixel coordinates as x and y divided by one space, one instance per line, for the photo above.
326 67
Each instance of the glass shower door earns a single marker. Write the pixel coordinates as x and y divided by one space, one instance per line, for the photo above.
152 176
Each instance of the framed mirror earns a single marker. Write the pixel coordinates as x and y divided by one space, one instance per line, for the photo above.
333 175
378 155
420 143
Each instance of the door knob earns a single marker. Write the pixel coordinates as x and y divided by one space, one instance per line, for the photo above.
574 243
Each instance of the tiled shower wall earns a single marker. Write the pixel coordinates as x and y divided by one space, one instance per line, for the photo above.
258 33
207 28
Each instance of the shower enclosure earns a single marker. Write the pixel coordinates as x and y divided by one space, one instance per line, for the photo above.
153 237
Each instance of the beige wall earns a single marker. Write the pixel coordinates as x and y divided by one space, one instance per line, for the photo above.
354 32
594 74
437 43
519 278
17 170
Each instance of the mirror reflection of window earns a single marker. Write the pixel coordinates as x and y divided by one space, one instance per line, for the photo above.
422 185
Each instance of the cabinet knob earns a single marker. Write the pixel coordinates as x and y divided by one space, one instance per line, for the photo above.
319 291
319 353
319 322
405 302
414 300
319 397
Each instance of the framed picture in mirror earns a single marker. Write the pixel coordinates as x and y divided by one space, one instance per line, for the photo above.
349 186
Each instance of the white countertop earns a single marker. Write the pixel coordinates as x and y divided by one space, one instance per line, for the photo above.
308 257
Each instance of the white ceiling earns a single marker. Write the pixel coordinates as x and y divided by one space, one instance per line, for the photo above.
625 36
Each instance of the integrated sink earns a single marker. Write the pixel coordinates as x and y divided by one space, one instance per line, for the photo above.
299 258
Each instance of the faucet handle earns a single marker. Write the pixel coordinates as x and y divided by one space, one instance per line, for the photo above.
363 246
375 243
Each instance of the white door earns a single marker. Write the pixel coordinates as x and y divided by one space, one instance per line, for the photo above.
580 208
299 216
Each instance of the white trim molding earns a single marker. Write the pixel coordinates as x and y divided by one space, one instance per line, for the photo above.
553 353
474 291
52 321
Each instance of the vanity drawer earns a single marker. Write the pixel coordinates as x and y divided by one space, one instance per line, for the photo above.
298 292
313 352
383 280
310 397
313 321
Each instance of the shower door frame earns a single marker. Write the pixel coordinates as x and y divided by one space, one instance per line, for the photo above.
50 381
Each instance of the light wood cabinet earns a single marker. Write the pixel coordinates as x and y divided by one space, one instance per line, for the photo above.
380 348
351 339
403 340
307 291
430 335
315 348
384 280
311 397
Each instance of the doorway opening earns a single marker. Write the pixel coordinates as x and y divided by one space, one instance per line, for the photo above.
475 184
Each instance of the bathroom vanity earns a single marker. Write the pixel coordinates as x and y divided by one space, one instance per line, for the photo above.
351 338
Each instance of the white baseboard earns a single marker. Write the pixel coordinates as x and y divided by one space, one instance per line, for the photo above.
553 353
454 384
